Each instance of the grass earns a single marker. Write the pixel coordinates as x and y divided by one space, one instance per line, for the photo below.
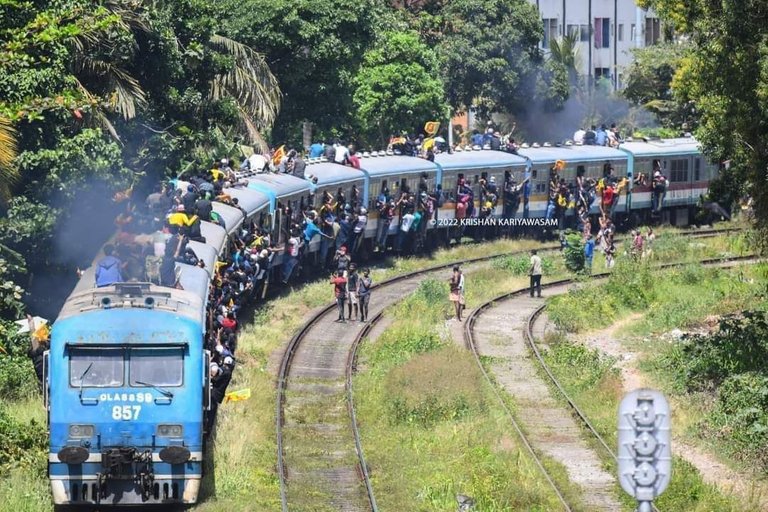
244 476
430 425
594 383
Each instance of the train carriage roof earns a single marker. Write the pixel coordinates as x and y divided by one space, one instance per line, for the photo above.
214 235
233 217
206 253
330 174
481 159
382 166
666 147
281 185
252 201
572 154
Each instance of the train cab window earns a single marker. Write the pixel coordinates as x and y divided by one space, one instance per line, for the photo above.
96 367
697 169
156 367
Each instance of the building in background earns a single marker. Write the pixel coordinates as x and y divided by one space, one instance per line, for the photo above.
606 31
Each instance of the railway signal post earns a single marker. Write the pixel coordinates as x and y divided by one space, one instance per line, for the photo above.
644 455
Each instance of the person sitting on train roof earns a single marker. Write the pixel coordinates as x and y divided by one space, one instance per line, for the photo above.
353 159
341 154
601 136
108 269
477 138
316 150
578 136
591 136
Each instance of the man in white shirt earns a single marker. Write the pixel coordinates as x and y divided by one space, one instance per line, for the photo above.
578 137
258 163
341 156
535 273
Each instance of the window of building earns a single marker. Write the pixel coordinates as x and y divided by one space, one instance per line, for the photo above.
550 31
633 32
621 32
602 73
602 32
580 32
652 31
678 170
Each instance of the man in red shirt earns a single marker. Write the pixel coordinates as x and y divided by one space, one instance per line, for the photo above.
340 290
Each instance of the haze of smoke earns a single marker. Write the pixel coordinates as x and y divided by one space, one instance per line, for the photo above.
81 231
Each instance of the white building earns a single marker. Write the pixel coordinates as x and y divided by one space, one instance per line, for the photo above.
606 29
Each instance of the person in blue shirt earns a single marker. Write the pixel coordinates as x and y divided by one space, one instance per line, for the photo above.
316 150
311 229
108 269
477 138
589 252
601 137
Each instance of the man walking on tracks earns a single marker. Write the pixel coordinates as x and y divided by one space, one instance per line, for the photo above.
535 272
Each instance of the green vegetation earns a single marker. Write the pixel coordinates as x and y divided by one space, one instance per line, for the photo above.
669 296
430 425
724 77
594 382
728 368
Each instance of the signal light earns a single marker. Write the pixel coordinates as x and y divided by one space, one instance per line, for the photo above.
645 456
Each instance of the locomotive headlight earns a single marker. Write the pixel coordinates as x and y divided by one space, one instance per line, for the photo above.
81 431
170 430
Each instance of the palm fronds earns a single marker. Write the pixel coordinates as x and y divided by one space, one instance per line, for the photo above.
9 173
249 82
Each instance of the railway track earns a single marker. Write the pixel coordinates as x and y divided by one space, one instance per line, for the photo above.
320 457
541 423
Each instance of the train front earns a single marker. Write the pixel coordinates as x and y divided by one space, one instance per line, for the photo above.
126 405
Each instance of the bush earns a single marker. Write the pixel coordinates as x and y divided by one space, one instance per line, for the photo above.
574 252
520 265
583 308
430 388
21 444
739 346
632 284
741 415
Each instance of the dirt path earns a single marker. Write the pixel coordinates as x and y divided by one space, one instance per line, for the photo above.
550 427
714 472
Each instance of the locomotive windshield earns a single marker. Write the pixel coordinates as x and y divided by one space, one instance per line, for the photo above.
156 367
95 368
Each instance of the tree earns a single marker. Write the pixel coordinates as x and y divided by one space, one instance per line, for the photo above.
649 83
565 51
397 87
8 172
315 49
489 54
727 79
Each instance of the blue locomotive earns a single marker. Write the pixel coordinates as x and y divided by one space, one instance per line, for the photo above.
128 390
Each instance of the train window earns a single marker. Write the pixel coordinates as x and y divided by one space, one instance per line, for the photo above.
96 367
678 170
697 169
156 367
534 174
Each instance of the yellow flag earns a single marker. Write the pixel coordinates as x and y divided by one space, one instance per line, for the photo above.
279 154
431 128
428 144
42 333
237 396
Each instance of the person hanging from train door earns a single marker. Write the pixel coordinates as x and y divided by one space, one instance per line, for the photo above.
552 188
659 184
581 187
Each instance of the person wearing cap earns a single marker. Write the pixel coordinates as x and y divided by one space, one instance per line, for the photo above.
341 259
339 283
364 285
